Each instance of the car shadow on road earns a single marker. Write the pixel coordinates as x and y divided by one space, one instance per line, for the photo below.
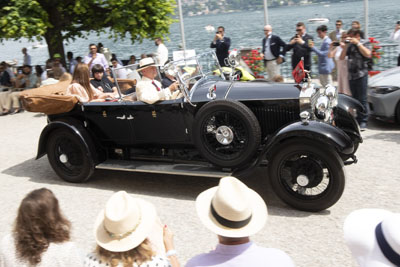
387 131
159 185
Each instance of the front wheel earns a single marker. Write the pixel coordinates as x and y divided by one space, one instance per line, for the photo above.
68 156
307 175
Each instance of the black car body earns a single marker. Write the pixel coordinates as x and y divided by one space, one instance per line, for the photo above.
302 134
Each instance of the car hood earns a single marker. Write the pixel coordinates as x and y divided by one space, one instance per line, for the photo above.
389 77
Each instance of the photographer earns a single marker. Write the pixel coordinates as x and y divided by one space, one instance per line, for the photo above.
301 46
395 36
358 56
221 44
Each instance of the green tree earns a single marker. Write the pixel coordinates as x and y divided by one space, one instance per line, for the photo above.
64 20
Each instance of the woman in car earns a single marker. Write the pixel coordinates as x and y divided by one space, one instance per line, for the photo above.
40 236
81 87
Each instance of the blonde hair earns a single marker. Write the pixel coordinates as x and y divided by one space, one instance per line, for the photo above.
137 255
65 77
82 76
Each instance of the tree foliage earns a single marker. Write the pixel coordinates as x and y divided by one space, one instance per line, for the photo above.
64 20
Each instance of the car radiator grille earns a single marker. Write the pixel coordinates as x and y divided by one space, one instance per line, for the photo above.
272 118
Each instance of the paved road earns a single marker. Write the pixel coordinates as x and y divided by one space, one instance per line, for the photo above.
311 239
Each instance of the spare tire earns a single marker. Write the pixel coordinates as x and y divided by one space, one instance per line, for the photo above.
226 133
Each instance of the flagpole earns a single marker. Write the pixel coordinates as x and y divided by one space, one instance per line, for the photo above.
182 26
366 18
266 12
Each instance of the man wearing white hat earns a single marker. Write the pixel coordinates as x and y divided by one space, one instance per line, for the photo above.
234 212
149 90
373 236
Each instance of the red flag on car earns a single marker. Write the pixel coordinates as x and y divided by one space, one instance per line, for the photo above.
298 72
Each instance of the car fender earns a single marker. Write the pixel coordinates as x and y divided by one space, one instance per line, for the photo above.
347 103
72 126
315 130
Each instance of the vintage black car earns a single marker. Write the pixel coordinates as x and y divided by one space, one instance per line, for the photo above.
303 135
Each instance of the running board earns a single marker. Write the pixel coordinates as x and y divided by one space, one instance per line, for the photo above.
205 170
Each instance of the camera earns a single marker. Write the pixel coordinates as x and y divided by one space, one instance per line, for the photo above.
335 43
347 41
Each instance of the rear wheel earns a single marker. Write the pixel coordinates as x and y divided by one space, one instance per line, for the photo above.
68 156
306 174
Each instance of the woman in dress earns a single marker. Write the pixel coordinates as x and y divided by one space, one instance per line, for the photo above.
124 233
41 235
81 87
341 65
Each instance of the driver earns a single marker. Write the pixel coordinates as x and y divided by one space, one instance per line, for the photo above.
149 90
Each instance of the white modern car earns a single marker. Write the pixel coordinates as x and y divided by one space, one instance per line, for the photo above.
384 95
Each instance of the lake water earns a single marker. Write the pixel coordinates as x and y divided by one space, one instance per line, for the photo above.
244 28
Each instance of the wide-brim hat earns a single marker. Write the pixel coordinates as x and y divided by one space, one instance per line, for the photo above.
146 62
124 223
231 209
373 236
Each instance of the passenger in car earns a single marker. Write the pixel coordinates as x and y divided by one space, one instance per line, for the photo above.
149 90
81 87
100 81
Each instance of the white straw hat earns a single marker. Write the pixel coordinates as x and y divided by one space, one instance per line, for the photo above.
231 209
124 223
146 62
373 236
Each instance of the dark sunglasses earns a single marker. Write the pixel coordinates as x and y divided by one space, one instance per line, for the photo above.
93 48
338 24
298 30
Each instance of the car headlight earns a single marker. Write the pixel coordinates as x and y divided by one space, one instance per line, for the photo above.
330 92
384 89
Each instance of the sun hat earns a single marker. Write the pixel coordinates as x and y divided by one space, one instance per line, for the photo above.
56 55
231 209
373 236
124 223
146 62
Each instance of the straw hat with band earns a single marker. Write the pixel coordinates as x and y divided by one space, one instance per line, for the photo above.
146 62
373 236
231 209
124 223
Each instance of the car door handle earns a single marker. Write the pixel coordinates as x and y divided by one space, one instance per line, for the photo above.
130 117
121 118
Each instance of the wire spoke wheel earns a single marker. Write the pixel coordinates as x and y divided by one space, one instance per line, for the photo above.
306 174
226 133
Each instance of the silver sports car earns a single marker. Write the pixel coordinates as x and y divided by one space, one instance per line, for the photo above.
384 95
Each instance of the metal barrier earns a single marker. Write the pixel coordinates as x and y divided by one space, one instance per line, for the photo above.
388 60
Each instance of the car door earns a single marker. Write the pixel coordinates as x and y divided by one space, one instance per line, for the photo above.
160 123
109 121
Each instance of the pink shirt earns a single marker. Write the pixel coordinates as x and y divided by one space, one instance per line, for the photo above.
100 59
248 254
79 91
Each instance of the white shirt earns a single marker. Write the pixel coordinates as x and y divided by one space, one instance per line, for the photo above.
27 59
268 55
147 92
64 254
100 59
120 73
248 254
395 36
162 54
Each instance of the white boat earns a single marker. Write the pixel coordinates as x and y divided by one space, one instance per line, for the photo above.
209 28
318 20
39 45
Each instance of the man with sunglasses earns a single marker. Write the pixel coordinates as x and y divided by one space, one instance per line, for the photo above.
95 58
300 45
337 33
221 43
